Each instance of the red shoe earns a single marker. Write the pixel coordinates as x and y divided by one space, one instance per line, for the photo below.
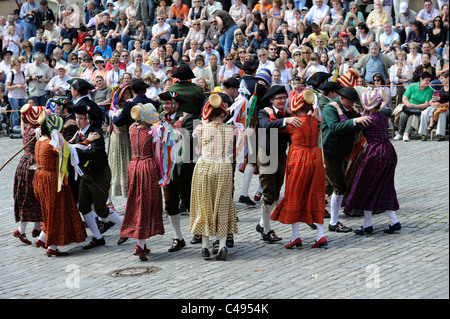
22 237
257 197
319 243
39 243
111 206
57 253
35 233
296 243
140 252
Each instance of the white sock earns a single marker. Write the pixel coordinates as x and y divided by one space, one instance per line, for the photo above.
114 217
109 200
141 243
335 206
175 221
53 247
90 222
205 242
248 173
37 226
22 227
367 218
42 237
320 233
266 211
392 217
222 242
259 186
295 231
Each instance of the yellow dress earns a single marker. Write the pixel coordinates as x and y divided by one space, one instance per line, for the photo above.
212 207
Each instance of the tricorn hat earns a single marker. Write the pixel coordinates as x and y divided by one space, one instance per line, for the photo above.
349 93
183 72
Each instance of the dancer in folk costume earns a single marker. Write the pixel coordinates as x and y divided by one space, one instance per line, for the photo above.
305 174
62 222
212 208
26 207
373 187
144 209
119 147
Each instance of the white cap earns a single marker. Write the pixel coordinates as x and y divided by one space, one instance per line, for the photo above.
403 7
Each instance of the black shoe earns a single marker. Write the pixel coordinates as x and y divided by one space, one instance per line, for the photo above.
393 228
205 253
313 226
15 136
326 214
424 138
339 228
246 200
441 138
260 229
363 230
230 241
177 245
197 239
103 227
271 237
95 243
122 240
223 253
215 250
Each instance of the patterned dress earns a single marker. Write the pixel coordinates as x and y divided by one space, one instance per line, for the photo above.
119 156
304 197
373 187
212 207
144 210
62 221
26 206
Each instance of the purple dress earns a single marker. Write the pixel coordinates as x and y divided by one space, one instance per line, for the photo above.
373 187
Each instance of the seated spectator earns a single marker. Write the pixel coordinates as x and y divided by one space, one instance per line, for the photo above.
66 50
404 20
129 33
380 84
195 33
425 66
105 28
274 17
283 37
115 74
99 63
260 41
161 30
239 13
73 67
387 37
178 9
197 12
417 97
417 35
209 50
254 24
104 49
239 41
374 62
58 84
427 14
178 34
318 13
377 18
333 23
102 94
353 17
139 62
400 76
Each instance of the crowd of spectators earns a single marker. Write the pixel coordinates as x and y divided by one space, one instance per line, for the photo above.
110 43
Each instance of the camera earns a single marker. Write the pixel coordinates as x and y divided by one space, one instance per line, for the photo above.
347 59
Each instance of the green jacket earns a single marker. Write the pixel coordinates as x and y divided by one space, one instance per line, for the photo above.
193 94
338 137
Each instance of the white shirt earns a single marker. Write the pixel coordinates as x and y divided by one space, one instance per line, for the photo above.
57 81
146 69
114 76
157 29
388 39
268 65
315 13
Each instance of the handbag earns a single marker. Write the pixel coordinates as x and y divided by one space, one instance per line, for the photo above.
411 111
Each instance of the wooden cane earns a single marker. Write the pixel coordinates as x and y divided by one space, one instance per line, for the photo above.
34 137
321 144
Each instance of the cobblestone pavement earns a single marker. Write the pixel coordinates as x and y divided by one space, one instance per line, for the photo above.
410 264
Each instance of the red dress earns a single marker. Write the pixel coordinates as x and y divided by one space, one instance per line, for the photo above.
144 210
304 197
26 206
62 221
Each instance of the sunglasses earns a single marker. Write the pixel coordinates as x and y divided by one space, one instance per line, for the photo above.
377 80
187 61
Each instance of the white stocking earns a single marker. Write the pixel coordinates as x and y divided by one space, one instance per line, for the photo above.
392 217
335 206
295 231
320 233
114 217
205 242
42 237
141 243
222 242
37 225
90 222
175 221
22 227
266 210
367 218
248 173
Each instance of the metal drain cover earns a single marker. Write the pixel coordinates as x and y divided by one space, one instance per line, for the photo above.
134 271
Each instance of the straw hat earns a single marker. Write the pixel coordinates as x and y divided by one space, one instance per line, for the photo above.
299 100
372 99
144 112
214 102
53 122
31 113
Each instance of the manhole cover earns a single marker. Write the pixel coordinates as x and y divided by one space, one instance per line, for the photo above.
134 271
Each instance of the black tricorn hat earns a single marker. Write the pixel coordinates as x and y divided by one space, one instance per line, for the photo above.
167 96
330 86
183 72
318 79
139 85
274 90
80 84
349 93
